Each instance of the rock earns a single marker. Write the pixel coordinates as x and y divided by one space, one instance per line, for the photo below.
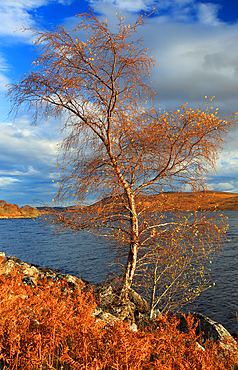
212 330
104 294
31 273
28 280
124 311
209 329
30 270
127 309
140 303
14 259
107 318
102 290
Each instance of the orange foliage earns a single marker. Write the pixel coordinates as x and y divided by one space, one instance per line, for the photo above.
51 327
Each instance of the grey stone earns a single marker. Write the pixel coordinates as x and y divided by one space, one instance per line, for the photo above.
107 317
28 281
211 330
14 259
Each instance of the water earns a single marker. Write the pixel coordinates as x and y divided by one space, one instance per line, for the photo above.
84 256
81 255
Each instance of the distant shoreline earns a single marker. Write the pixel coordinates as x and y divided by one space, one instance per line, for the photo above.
10 211
210 200
16 217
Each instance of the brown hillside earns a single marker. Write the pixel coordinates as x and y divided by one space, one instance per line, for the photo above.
223 201
209 200
9 210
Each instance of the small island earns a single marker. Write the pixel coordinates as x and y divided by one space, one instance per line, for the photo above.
9 210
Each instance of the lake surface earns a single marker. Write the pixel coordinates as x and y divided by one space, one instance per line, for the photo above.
87 257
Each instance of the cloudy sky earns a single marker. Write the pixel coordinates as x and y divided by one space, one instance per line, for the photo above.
194 42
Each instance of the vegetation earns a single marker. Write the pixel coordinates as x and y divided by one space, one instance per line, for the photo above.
117 151
51 327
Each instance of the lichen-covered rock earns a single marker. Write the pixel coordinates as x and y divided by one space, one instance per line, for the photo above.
211 330
126 308
31 273
215 332
140 303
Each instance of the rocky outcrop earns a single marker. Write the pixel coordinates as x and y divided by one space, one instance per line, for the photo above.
9 210
32 272
208 329
215 332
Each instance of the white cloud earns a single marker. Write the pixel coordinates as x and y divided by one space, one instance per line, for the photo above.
27 4
197 55
27 160
25 151
207 13
177 10
30 171
222 186
23 133
135 5
3 82
6 181
3 79
13 19
127 5
14 14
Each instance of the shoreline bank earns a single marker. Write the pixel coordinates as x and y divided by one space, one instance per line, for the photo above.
110 309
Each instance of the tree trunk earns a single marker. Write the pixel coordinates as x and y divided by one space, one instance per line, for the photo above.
134 242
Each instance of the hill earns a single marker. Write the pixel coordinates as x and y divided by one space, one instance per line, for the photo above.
167 201
222 201
9 210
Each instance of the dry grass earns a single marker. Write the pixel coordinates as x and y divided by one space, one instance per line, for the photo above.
50 327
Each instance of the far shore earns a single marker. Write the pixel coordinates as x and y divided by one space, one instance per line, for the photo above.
210 200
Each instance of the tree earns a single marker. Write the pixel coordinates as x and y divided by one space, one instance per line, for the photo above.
116 151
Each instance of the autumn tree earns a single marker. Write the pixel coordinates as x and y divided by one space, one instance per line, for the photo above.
117 151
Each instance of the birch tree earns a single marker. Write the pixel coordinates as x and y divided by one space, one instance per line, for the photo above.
117 151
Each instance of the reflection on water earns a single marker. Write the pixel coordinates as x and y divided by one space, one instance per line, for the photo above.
87 257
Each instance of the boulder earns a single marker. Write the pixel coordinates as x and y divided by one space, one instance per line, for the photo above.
131 308
211 330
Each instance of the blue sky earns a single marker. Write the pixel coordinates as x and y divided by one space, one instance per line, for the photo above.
194 42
